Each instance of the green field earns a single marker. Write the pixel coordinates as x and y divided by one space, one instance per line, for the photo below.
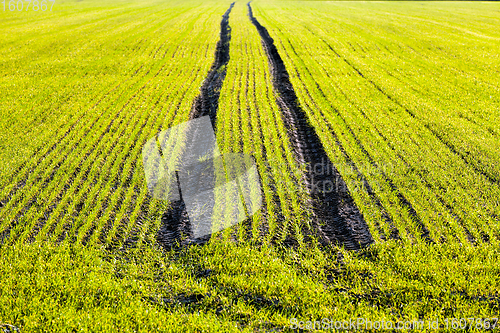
404 98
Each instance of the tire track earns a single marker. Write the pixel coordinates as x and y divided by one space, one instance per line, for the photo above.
336 217
421 227
394 232
175 226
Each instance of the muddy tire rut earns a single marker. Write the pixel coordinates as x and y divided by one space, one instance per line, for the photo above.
336 217
175 226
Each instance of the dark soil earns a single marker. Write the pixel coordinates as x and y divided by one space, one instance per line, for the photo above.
336 217
176 228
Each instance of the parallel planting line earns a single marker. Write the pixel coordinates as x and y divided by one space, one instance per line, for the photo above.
44 180
424 231
337 218
465 158
127 229
394 232
175 222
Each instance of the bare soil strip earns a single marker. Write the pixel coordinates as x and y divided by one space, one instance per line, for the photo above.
337 219
176 228
394 232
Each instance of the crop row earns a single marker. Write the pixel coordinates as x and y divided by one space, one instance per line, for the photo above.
403 169
249 121
89 186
